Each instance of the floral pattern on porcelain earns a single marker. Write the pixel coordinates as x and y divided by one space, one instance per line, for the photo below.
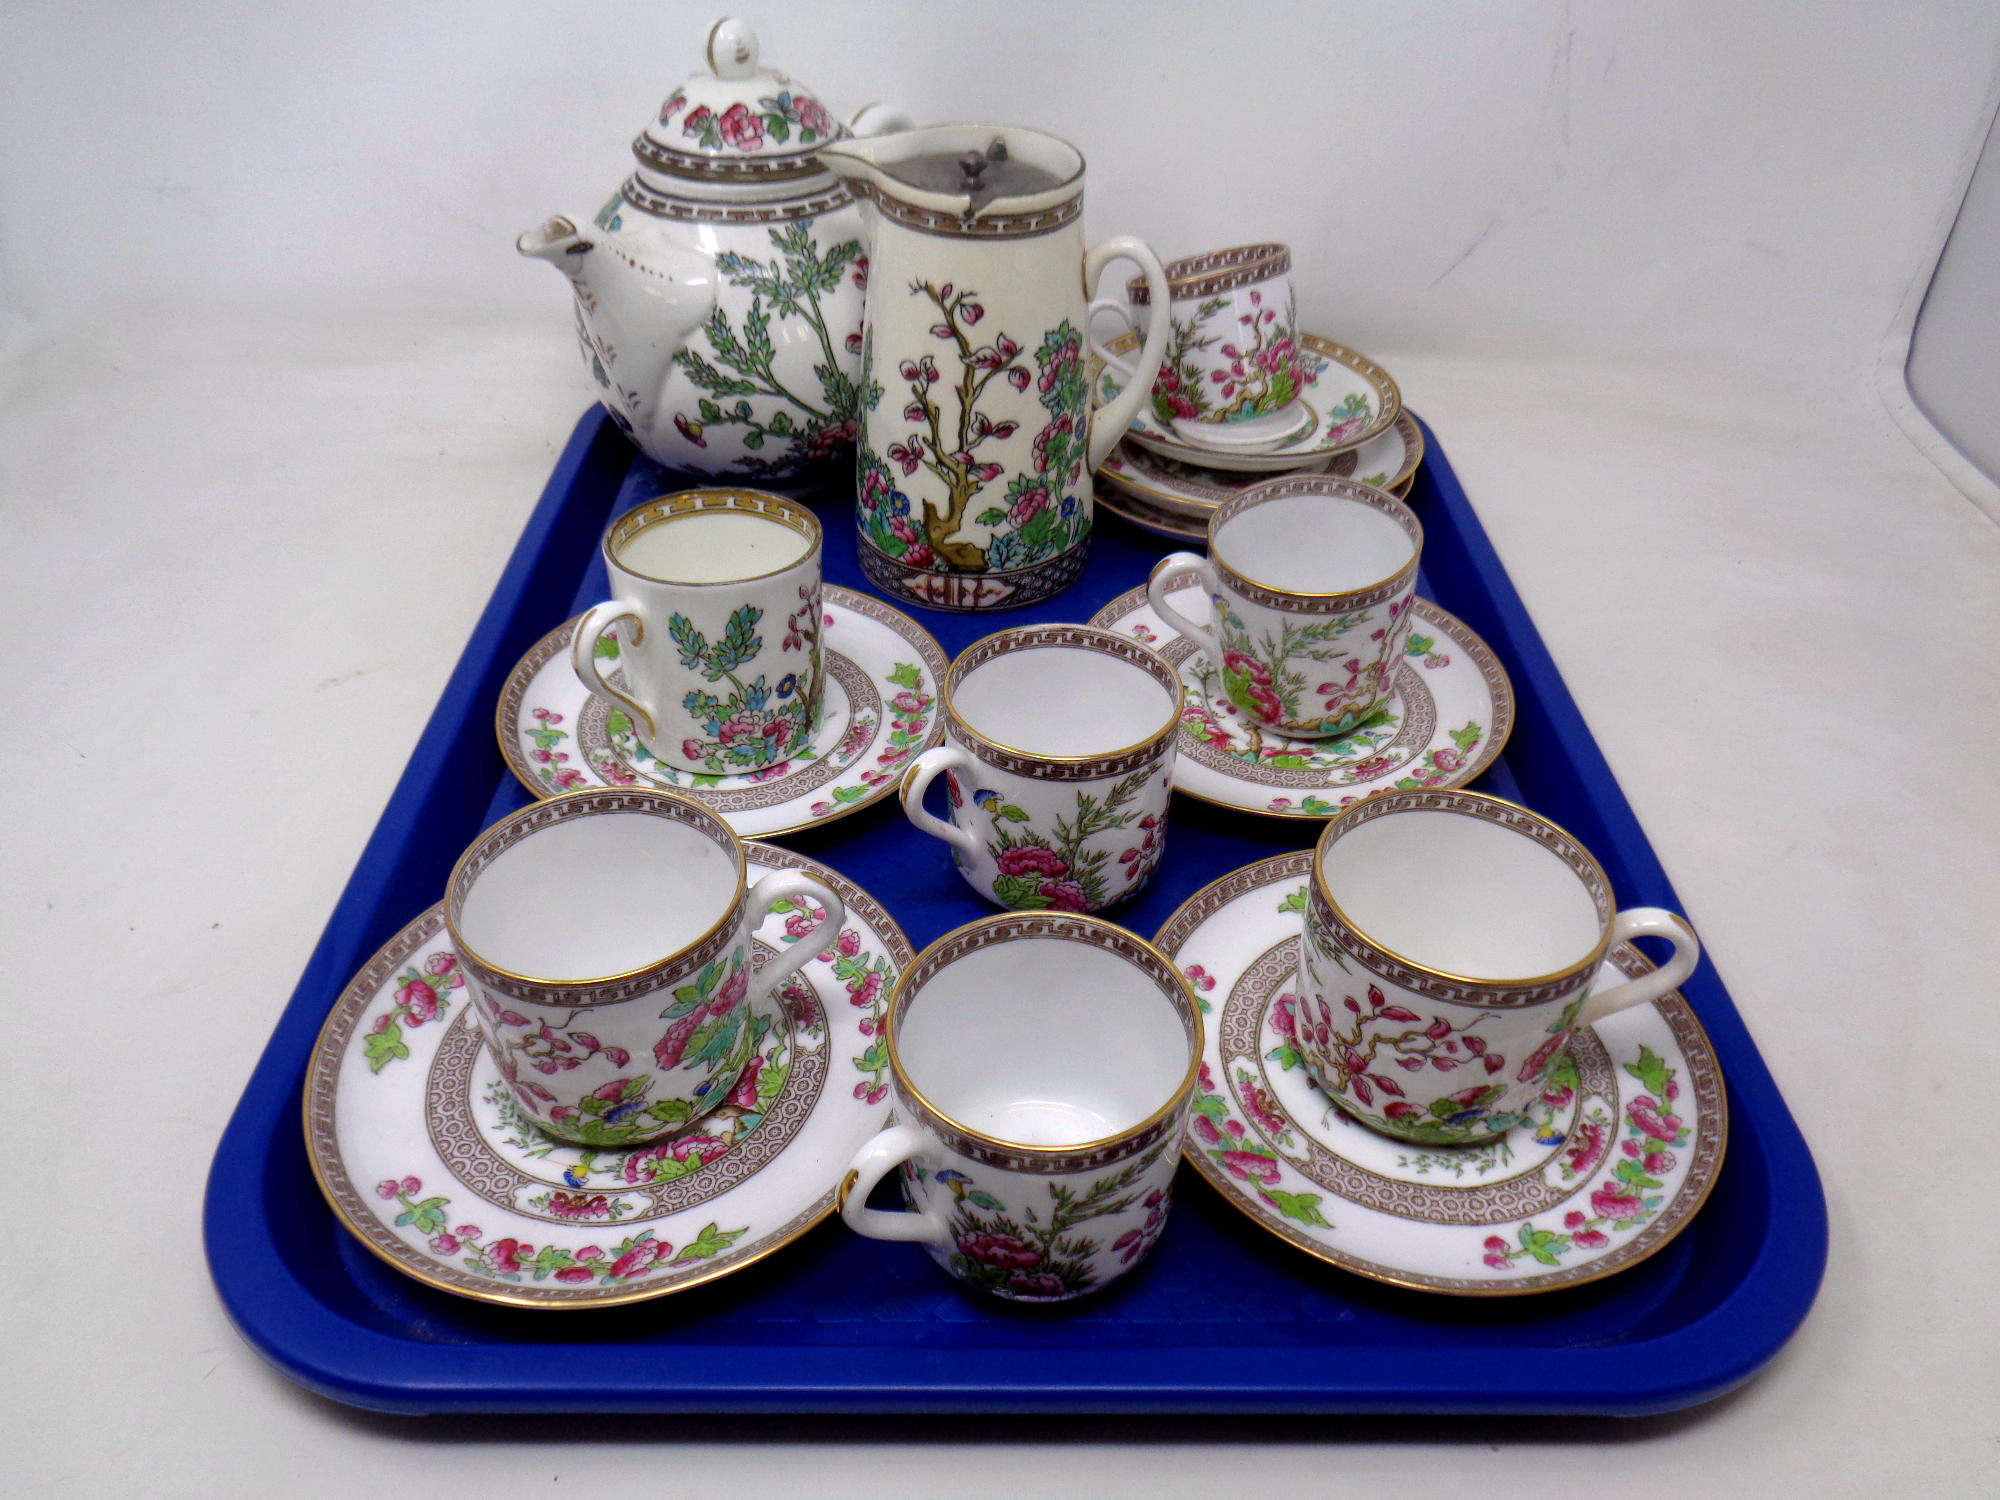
1223 1138
759 725
421 996
1261 375
1417 1068
1041 513
735 377
1019 1247
699 1057
742 128
510 1259
1069 867
1268 673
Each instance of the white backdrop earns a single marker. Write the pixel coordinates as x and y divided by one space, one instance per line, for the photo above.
276 395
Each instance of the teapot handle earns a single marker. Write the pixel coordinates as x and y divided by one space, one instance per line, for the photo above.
1111 420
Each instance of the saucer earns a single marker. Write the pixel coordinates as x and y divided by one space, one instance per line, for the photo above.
417 1143
1351 399
1616 1160
1254 435
1448 717
882 672
1176 499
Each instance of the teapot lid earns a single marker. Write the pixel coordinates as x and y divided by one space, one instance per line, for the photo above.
738 122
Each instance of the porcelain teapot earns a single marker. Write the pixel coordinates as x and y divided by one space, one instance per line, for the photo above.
978 442
719 293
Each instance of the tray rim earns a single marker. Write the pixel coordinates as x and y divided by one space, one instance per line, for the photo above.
319 1347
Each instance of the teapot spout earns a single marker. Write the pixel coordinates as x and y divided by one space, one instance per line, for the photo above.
552 240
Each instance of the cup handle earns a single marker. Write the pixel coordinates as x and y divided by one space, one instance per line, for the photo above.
1111 421
1122 310
1156 595
1645 921
781 885
874 1161
583 658
923 771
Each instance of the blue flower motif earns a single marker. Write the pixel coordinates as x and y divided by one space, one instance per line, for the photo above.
986 797
570 1177
1069 505
788 684
899 503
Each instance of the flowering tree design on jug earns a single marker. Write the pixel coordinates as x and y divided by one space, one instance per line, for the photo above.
1059 869
1041 515
1021 1253
786 288
757 724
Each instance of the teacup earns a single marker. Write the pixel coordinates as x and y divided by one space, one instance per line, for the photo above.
1040 1066
1451 941
1311 578
721 658
1058 754
1231 374
611 946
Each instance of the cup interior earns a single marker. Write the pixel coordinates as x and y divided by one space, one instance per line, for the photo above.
1063 701
1044 1041
1463 895
594 897
712 536
1314 544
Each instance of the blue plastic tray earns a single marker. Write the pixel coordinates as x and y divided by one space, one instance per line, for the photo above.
1223 1318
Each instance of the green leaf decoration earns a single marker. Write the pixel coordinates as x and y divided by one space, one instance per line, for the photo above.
1295 901
712 1241
1303 1207
993 515
1287 1057
1629 1172
714 1039
1020 892
671 1111
1467 737
983 1198
1652 1072
382 1047
1419 645
1013 814
1209 1106
907 674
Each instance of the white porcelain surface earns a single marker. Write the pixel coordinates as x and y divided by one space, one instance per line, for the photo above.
645 1019
1056 701
1446 719
978 436
1041 1064
879 711
427 1159
1611 1161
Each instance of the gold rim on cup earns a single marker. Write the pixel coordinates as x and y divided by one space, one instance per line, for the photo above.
662 509
1073 637
1216 271
590 802
1285 488
934 960
1549 834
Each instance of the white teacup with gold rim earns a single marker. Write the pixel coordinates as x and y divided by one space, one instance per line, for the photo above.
1230 377
1058 758
608 935
1451 942
1311 578
1041 1065
720 594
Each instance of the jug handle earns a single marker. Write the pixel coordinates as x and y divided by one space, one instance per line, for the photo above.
1110 421
880 119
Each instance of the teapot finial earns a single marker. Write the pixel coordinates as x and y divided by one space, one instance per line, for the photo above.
732 48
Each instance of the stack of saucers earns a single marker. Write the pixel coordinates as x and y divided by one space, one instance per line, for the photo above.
1241 396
